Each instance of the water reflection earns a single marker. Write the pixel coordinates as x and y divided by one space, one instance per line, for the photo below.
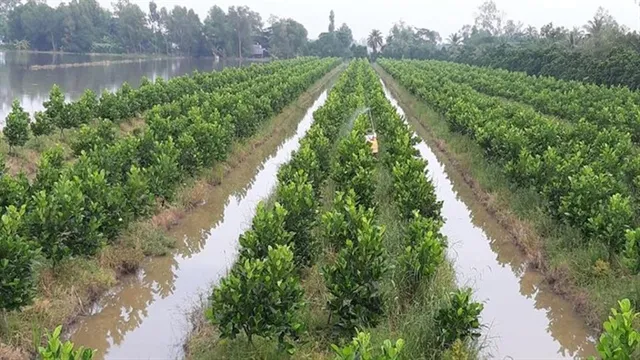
31 87
525 319
145 317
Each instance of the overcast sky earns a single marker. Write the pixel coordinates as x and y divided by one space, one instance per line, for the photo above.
444 16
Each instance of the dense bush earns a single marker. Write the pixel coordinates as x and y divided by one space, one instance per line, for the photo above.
460 319
343 221
354 279
260 297
42 124
354 165
298 198
412 189
424 251
267 230
16 129
17 254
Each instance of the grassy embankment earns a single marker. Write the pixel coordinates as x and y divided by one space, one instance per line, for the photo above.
522 213
409 317
68 292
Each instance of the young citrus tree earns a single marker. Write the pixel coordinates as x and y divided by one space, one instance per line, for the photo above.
267 230
17 254
298 198
42 124
354 279
16 130
260 297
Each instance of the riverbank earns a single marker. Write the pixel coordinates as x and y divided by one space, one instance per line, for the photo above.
520 212
71 290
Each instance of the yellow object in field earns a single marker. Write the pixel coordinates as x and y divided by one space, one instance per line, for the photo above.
373 140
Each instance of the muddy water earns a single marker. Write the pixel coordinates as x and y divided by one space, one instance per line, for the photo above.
524 320
146 317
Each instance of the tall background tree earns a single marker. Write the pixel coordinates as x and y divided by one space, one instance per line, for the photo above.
374 41
287 38
244 23
85 26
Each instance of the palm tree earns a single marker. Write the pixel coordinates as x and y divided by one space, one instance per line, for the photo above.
375 40
575 37
455 39
594 26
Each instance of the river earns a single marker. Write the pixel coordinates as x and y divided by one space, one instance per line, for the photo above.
19 80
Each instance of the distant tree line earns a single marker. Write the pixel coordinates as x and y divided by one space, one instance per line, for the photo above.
84 26
602 51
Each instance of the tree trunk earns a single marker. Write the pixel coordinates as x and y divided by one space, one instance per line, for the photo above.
239 47
53 43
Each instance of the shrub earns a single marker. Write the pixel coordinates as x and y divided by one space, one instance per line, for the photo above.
90 137
342 223
17 254
49 169
412 189
360 349
631 254
260 297
353 168
460 319
56 350
620 341
56 109
267 230
62 223
298 198
42 124
110 107
16 129
304 159
354 279
424 252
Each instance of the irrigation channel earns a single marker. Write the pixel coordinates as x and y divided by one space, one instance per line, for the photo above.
524 319
146 317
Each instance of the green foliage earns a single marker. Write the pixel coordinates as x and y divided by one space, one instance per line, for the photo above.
56 109
57 350
353 280
299 200
412 190
260 297
267 230
460 319
16 257
631 254
586 167
342 223
360 349
16 130
354 166
110 107
49 169
62 222
42 124
424 251
620 341
93 136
